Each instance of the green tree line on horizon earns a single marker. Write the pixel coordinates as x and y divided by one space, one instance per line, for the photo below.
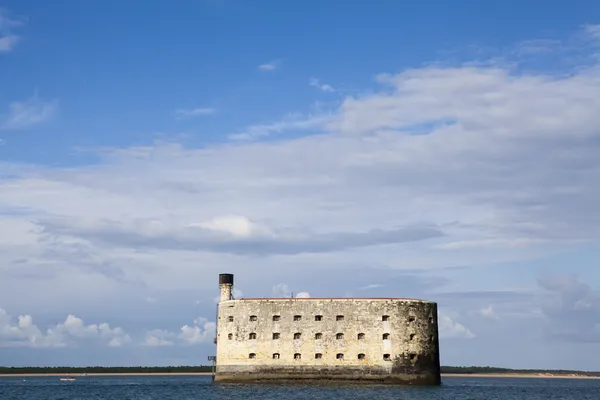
208 368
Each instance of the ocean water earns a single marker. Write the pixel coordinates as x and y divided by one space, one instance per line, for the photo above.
200 387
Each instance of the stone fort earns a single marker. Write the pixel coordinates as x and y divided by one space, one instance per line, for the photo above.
362 340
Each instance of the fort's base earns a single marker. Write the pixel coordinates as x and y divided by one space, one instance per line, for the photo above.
323 375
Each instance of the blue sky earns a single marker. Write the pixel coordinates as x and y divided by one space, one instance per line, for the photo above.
446 152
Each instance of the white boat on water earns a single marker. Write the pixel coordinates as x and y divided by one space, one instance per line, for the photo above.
67 378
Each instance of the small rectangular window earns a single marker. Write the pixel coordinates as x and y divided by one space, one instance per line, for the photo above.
318 355
297 356
230 318
385 318
339 318
318 317
276 317
253 318
339 356
297 335
387 357
275 336
411 318
297 317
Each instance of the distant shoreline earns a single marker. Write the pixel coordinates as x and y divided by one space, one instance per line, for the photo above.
444 375
77 375
521 375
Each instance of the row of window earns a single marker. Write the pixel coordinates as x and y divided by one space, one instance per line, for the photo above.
339 356
318 318
318 336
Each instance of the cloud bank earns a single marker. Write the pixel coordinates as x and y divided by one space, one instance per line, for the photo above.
24 333
434 168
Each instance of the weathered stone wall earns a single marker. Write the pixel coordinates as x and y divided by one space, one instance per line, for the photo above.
246 346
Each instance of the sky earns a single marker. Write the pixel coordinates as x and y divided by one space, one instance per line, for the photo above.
438 150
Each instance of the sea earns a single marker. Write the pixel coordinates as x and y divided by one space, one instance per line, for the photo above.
200 387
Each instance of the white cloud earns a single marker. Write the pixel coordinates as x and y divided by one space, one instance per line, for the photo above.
26 334
235 235
201 331
7 43
27 113
159 338
593 30
8 39
435 158
74 327
195 112
282 290
488 312
571 309
23 333
270 66
451 329
233 225
321 86
290 122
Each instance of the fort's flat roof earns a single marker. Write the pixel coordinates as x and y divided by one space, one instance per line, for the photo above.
334 298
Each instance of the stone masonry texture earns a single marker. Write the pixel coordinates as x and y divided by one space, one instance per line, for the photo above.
355 340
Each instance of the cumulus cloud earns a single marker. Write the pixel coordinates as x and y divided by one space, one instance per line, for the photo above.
571 307
29 112
321 86
24 333
282 290
488 312
451 329
159 338
200 331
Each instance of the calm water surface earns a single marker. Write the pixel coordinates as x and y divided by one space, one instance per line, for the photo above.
200 387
